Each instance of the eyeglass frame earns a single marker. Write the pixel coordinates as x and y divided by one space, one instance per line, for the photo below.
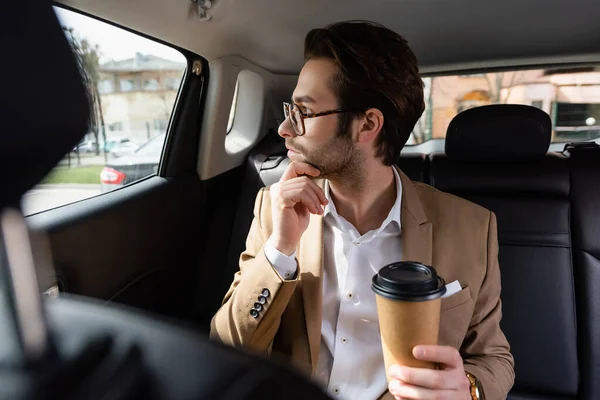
287 112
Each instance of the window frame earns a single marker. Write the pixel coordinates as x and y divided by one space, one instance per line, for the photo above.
189 56
167 161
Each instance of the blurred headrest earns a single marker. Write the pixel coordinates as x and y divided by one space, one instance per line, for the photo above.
503 131
44 105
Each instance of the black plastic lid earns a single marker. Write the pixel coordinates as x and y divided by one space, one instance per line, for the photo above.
408 281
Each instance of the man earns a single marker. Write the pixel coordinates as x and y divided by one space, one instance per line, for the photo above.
340 212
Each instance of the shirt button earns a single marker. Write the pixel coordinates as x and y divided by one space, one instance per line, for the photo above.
350 295
344 340
336 390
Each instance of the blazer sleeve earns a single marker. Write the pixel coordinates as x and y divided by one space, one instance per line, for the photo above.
242 320
485 350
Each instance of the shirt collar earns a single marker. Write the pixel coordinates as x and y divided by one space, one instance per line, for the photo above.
393 216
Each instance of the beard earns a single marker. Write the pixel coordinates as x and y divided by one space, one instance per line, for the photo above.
337 160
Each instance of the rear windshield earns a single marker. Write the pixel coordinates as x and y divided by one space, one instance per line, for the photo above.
570 96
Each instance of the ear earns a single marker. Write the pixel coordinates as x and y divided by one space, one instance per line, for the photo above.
370 125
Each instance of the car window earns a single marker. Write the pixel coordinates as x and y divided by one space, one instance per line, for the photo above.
132 85
571 96
153 147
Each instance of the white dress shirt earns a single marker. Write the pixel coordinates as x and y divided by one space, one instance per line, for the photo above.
350 362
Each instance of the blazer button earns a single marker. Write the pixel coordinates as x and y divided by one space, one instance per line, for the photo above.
258 306
266 292
254 313
262 299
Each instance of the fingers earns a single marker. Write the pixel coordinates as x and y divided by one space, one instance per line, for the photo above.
405 391
429 378
291 197
302 210
295 170
421 383
309 184
446 355
299 191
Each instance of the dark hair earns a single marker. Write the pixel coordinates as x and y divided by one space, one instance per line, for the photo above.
377 69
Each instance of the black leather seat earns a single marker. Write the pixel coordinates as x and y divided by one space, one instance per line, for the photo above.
496 157
584 166
415 166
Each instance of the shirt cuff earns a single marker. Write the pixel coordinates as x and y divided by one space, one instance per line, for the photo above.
286 266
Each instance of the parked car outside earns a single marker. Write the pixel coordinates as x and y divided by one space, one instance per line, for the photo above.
86 147
112 143
141 163
123 149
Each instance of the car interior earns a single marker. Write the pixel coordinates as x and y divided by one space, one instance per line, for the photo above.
167 246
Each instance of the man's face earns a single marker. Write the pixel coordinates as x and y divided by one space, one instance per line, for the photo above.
332 152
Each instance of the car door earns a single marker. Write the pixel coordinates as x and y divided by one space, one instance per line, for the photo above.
140 244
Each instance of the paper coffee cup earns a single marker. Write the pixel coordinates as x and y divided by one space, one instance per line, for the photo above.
408 298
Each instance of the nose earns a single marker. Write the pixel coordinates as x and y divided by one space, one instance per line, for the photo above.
286 130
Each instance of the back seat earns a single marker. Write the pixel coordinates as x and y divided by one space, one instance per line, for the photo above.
496 157
548 210
584 167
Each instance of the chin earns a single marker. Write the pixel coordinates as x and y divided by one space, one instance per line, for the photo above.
299 158
296 157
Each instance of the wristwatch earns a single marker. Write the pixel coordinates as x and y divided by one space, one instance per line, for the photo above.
476 388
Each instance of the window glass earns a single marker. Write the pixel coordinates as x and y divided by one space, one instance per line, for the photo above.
570 96
538 104
106 86
126 85
115 126
152 147
151 84
173 83
160 125
133 83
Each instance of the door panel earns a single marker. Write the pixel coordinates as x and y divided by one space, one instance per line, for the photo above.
137 245
141 244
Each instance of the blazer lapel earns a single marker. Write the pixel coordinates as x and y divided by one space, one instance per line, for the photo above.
311 266
416 242
416 238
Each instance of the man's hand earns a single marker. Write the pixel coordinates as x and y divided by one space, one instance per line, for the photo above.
448 383
293 199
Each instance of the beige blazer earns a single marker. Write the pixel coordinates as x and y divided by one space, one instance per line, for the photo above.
455 236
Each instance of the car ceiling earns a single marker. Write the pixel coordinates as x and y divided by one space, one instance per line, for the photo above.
446 35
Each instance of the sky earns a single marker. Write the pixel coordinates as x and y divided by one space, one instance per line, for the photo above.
114 43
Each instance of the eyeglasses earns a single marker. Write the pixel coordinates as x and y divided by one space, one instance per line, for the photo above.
297 117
